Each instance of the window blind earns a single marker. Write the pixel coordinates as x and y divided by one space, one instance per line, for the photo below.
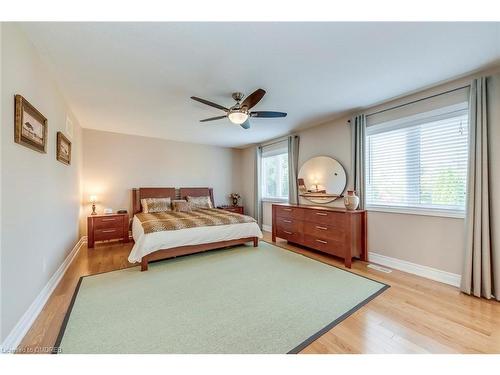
419 162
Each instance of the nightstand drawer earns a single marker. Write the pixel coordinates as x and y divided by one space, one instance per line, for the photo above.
108 222
108 234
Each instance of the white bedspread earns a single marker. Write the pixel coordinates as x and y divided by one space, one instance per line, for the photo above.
148 243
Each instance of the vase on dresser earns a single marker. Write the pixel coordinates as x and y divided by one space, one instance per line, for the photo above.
351 200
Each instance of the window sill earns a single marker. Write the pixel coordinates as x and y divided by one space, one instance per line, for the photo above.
274 200
416 211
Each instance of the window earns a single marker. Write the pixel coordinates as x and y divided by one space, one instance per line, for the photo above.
419 163
274 169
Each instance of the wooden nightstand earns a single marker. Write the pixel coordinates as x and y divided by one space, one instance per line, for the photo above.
237 209
107 227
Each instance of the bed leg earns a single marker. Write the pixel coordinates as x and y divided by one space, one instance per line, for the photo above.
144 264
255 241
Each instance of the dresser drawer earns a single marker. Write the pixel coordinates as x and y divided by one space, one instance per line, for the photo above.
326 245
333 219
289 212
108 222
289 231
290 225
324 231
108 234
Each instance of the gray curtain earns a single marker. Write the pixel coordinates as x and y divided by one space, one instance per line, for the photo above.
358 127
481 273
293 168
257 187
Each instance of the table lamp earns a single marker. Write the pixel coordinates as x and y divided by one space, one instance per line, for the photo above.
93 200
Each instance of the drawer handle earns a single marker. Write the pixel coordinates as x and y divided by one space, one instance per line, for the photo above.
321 241
109 231
321 214
287 232
108 219
322 228
287 209
287 221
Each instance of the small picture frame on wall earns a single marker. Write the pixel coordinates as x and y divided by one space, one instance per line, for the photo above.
30 126
63 150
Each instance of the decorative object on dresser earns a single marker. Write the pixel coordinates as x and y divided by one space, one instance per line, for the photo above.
351 200
235 197
237 209
331 230
107 227
30 126
93 200
321 180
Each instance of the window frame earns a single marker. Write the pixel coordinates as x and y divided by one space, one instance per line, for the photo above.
262 182
404 122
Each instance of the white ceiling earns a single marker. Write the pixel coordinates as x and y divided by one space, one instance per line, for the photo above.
136 78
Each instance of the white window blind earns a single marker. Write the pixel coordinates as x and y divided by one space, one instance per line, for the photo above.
419 163
274 178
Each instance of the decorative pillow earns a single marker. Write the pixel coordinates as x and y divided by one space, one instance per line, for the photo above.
199 202
181 206
150 205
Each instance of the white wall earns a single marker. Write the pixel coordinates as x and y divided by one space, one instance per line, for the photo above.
116 163
40 196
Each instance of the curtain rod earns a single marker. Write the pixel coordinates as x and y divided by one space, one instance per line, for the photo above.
415 101
279 140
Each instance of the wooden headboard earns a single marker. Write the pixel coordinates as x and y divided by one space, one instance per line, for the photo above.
197 192
141 193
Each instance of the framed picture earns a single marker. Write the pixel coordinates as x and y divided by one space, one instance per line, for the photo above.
63 151
30 126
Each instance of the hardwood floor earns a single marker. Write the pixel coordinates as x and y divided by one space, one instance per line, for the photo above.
415 315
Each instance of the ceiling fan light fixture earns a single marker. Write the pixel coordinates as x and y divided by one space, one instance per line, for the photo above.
237 117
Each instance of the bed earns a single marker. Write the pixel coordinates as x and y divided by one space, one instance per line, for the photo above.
155 243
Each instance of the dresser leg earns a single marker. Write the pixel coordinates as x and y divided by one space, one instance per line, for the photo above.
348 262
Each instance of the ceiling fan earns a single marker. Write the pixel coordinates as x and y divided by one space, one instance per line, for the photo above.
240 113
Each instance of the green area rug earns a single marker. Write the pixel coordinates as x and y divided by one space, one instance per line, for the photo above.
238 300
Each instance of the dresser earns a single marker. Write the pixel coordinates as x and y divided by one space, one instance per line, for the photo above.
237 209
107 227
335 231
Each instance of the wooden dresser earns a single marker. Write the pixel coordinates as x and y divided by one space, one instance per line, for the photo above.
335 231
107 227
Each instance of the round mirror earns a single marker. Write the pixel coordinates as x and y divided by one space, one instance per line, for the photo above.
321 180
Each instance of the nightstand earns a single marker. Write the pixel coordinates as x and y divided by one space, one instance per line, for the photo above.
107 227
237 209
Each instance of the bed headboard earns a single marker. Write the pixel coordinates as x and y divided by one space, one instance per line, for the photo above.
141 193
197 192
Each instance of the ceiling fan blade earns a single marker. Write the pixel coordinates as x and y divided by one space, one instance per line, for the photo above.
211 104
213 118
252 99
267 114
245 125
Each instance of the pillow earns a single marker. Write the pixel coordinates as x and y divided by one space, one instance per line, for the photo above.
199 202
150 205
181 206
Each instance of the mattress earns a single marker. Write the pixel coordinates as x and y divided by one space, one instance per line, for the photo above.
147 243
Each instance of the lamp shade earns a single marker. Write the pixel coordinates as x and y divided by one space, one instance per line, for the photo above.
93 199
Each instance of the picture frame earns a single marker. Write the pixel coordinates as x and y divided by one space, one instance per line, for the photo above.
30 126
63 149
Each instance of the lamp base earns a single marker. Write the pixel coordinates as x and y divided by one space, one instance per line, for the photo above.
93 210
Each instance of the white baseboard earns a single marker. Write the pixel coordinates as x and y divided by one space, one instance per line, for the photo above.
267 228
416 269
14 338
